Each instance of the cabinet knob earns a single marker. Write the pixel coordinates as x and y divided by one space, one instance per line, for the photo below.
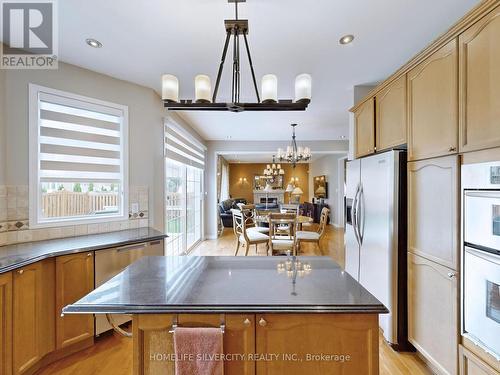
20 272
89 254
452 149
452 275
262 322
247 322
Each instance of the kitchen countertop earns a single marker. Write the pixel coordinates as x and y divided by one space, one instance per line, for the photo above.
192 284
15 256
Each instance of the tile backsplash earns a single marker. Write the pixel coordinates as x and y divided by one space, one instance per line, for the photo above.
14 217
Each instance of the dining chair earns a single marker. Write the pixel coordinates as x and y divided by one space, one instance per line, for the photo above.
249 212
290 208
278 239
311 236
247 237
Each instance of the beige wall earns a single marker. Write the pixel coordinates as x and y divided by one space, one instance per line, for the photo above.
146 115
249 170
329 166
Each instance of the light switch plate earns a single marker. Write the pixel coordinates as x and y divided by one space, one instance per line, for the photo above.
135 208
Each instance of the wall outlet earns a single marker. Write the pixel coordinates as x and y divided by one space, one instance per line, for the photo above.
135 208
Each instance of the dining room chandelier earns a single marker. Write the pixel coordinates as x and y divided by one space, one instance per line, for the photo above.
205 100
294 154
273 170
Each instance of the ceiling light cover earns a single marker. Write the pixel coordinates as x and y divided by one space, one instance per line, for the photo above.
346 39
170 88
203 88
94 43
303 84
269 88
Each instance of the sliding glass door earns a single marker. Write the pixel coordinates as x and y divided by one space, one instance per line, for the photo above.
183 207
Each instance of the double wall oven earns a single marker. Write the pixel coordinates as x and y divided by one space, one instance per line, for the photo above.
481 255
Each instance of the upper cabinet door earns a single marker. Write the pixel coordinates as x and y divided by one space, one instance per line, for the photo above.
365 129
391 115
433 105
480 84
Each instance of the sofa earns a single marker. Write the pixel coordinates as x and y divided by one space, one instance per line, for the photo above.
225 212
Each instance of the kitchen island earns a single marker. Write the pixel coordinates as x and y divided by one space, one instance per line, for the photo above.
279 315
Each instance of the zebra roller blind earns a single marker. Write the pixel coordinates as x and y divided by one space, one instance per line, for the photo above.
79 144
182 147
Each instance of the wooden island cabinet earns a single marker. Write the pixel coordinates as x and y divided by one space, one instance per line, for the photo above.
292 344
320 323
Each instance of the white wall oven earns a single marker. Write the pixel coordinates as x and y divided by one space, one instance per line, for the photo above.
481 255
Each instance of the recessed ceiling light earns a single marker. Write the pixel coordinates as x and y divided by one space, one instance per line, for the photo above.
94 43
342 137
346 39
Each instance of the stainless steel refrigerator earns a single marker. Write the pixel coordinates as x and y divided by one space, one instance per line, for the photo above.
375 236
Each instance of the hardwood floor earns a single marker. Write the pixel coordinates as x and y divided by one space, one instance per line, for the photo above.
112 354
331 245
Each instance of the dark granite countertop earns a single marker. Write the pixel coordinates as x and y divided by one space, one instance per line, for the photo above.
192 284
15 256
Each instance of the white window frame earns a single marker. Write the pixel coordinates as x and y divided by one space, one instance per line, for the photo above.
35 193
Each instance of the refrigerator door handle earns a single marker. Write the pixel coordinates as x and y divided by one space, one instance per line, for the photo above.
354 215
360 211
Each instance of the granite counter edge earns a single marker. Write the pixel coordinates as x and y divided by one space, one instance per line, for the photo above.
40 257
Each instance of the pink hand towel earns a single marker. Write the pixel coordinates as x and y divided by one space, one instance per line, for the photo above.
198 351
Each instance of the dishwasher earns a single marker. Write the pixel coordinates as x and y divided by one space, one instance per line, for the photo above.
110 262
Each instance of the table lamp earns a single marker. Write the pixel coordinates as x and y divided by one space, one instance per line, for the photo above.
268 189
296 193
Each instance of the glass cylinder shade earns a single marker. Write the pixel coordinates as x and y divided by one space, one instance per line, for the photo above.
269 88
203 89
169 88
303 84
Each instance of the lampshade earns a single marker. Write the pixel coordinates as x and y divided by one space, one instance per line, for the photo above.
297 191
303 84
268 188
289 188
269 88
203 89
169 88
321 190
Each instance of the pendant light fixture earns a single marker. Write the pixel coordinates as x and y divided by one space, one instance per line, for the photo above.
205 100
273 170
294 154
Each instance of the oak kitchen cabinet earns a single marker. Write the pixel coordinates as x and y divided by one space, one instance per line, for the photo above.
480 84
364 122
74 279
433 312
152 332
33 314
390 123
433 209
433 105
6 323
471 364
301 335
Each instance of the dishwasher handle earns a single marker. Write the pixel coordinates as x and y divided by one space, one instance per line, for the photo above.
137 246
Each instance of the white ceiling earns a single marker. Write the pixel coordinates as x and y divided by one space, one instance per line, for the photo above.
144 39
